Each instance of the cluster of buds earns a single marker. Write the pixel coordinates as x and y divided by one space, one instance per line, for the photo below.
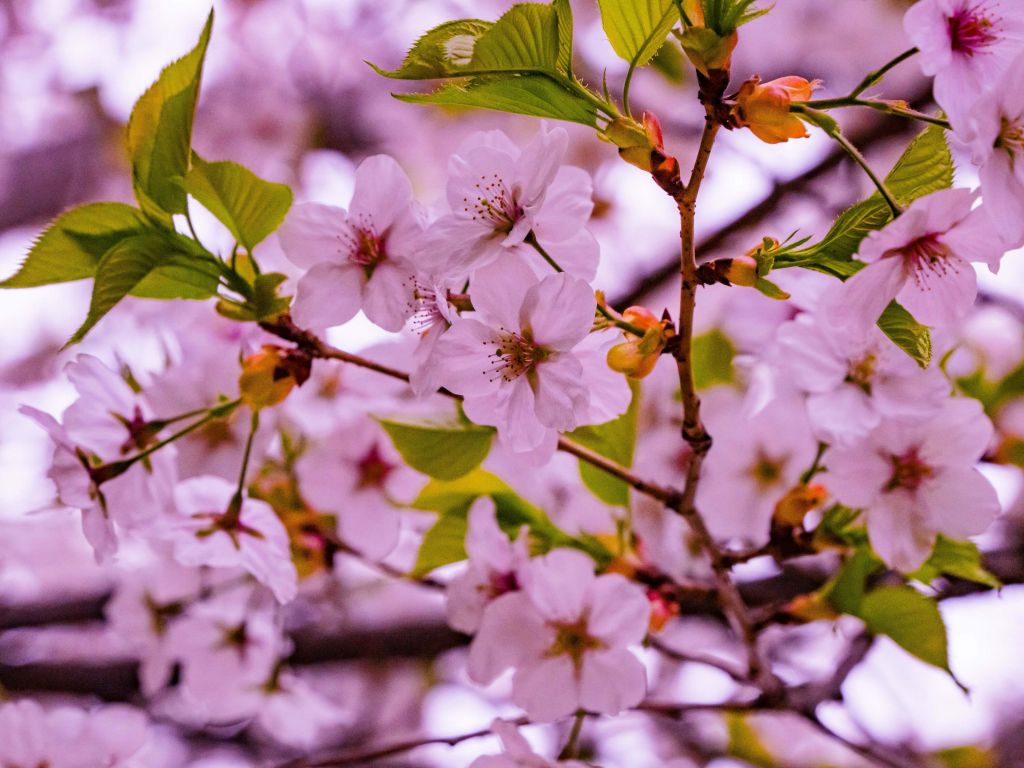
269 376
764 108
637 355
708 51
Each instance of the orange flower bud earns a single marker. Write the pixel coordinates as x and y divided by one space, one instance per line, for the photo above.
798 501
641 317
270 375
764 108
636 357
662 610
640 144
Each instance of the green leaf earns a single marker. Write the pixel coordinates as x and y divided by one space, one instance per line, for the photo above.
524 39
443 450
845 590
960 559
563 14
725 16
770 289
843 525
637 28
444 51
910 619
160 132
906 333
926 166
72 246
745 744
127 266
535 95
248 206
615 440
712 356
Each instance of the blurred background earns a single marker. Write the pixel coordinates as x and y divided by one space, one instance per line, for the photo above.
287 93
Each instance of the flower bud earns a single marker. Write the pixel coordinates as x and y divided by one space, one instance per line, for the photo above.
707 50
636 357
798 501
270 375
764 108
640 144
812 607
662 609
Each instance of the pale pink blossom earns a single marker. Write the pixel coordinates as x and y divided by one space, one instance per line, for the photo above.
499 194
916 481
923 260
853 380
965 45
362 258
517 752
494 569
213 527
521 361
566 634
295 713
996 137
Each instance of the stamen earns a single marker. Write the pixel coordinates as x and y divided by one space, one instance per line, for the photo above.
970 30
494 204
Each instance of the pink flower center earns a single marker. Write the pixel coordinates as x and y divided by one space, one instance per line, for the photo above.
923 255
495 204
909 471
970 31
373 469
502 583
1011 137
862 371
514 354
365 246
141 432
573 640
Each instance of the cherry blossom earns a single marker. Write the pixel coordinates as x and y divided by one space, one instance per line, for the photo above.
499 194
918 480
217 528
516 752
566 634
965 45
516 362
996 137
362 258
922 259
495 565
854 380
294 713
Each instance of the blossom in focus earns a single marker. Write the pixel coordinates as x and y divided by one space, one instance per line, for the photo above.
965 45
516 752
362 258
566 634
996 137
764 108
915 481
214 527
854 380
499 194
495 565
516 362
921 259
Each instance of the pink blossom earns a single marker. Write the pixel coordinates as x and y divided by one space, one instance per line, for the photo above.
918 480
520 361
996 137
499 194
250 537
495 565
922 259
294 713
965 45
566 634
517 752
357 259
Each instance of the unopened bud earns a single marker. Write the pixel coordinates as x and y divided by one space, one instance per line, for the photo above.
798 501
641 317
269 376
640 144
764 108
662 609
636 357
741 270
706 49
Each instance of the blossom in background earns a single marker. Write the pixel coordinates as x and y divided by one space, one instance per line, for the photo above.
854 380
922 259
566 634
495 567
915 481
965 45
996 137
516 752
498 194
516 360
362 258
215 528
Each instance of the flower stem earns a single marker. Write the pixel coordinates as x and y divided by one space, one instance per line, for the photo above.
858 158
875 77
571 748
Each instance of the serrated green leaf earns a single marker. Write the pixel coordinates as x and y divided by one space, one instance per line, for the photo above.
712 354
442 450
615 440
535 95
960 559
443 51
910 619
248 206
770 289
128 264
160 132
845 590
637 28
725 16
524 39
72 246
926 166
563 15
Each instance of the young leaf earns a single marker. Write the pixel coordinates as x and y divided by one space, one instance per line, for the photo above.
535 95
160 132
443 450
72 246
960 559
845 591
524 39
712 356
563 14
615 440
910 619
906 333
248 206
441 52
637 28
